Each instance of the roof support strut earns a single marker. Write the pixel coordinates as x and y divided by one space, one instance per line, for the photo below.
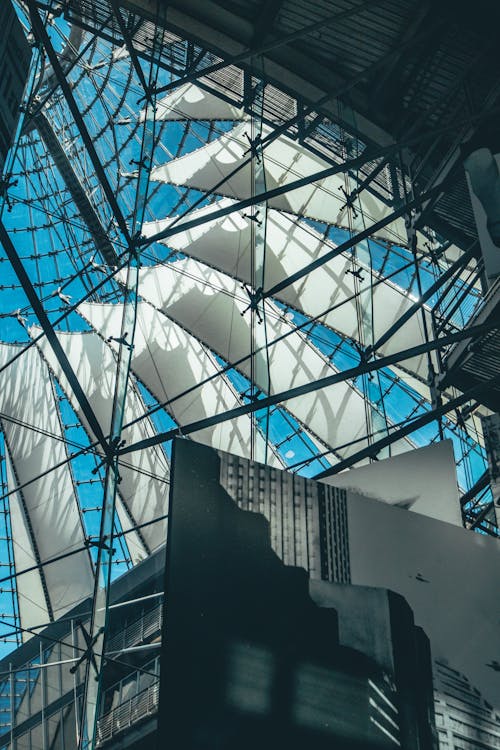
41 34
353 372
44 321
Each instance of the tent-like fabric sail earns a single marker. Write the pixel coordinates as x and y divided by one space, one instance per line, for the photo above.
144 487
327 295
190 102
169 361
285 161
31 590
211 306
45 518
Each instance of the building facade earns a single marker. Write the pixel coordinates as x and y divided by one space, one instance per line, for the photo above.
464 720
15 56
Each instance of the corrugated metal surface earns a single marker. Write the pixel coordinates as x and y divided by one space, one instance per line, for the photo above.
413 68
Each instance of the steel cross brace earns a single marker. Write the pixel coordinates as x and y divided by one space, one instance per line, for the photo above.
408 428
271 45
131 49
449 273
295 185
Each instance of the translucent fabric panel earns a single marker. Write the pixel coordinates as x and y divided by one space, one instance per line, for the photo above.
190 102
285 161
211 305
326 294
168 360
44 513
144 486
30 591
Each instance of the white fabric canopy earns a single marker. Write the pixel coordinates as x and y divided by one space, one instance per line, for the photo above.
44 513
143 490
211 305
285 161
290 246
190 102
169 361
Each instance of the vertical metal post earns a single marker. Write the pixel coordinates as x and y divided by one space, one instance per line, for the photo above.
74 644
12 705
411 223
100 611
259 368
43 677
376 421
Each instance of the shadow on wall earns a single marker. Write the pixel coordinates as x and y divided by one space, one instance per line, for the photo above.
248 659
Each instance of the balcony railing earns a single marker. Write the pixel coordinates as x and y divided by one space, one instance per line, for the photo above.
137 632
129 712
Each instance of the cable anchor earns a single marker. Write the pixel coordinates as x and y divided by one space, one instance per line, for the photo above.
254 147
349 201
89 651
255 299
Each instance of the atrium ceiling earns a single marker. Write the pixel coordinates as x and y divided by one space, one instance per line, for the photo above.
242 222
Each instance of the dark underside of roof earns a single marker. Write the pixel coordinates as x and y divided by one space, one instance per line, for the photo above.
418 72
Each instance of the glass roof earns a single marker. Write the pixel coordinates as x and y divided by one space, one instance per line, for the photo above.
154 153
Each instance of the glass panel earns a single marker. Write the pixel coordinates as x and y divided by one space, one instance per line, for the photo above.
52 675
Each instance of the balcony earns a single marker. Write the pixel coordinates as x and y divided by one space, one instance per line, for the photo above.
128 713
145 628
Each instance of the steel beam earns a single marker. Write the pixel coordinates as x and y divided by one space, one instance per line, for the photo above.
80 198
269 46
476 488
40 33
368 232
449 273
130 45
176 228
477 520
278 398
408 428
49 331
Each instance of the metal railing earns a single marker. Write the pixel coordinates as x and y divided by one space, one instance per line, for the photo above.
129 712
139 631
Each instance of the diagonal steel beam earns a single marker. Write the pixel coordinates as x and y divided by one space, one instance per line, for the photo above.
477 520
76 190
130 45
364 234
408 428
40 33
368 155
301 390
49 331
448 274
481 484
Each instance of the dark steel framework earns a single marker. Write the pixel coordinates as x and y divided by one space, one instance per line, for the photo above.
409 169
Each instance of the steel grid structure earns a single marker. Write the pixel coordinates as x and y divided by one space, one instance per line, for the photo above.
102 237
